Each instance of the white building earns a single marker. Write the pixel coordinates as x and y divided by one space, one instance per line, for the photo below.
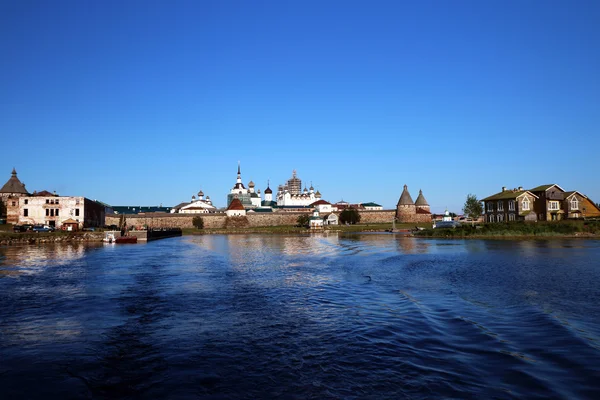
315 221
322 206
291 195
235 209
331 219
196 206
48 209
372 206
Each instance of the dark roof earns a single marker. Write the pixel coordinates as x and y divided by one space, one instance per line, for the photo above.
263 210
139 209
45 193
371 204
236 204
181 205
319 202
421 199
268 190
543 188
14 185
422 211
405 198
507 195
266 203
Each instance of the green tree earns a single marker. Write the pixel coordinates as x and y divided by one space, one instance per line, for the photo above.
472 207
302 220
350 216
198 222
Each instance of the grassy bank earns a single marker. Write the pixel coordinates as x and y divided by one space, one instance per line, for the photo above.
288 229
519 229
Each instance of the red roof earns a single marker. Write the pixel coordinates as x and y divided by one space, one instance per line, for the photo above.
421 211
319 202
235 204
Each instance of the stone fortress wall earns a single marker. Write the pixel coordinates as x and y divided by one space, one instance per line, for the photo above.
220 220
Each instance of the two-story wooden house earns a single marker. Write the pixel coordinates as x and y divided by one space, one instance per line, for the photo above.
578 205
542 203
510 205
550 201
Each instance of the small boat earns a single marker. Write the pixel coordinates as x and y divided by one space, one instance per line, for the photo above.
109 237
126 239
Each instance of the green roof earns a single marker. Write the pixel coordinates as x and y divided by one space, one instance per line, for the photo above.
371 204
541 188
505 195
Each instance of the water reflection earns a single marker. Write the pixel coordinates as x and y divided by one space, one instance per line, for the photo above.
348 315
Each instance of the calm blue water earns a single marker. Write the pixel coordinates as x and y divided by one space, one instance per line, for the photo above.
258 316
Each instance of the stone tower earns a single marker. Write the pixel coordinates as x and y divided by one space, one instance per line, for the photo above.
405 209
421 203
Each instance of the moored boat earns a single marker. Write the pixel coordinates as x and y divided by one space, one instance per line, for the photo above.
126 239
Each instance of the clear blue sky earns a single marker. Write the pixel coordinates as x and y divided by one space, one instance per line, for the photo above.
146 102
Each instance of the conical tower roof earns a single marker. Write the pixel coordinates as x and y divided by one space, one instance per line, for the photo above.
235 204
421 199
405 199
14 185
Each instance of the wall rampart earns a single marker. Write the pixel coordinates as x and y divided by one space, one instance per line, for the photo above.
220 220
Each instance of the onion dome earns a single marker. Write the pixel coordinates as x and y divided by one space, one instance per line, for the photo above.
251 184
405 199
200 193
421 200
268 190
207 197
258 191
193 197
318 194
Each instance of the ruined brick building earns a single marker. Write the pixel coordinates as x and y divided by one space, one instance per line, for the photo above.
10 193
412 212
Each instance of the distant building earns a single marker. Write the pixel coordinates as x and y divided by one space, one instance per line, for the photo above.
243 194
55 210
235 208
196 206
372 206
10 193
412 212
315 221
543 203
322 206
292 195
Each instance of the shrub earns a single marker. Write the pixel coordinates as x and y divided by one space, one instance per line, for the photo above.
350 216
198 222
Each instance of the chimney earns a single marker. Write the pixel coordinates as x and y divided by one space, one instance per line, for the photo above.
504 188
520 188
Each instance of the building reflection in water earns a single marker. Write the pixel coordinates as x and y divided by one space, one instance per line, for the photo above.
17 260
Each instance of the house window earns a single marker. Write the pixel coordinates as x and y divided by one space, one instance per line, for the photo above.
574 204
56 212
77 212
52 213
500 205
511 205
525 204
511 217
553 205
500 217
25 212
77 203
56 201
47 201
14 203
26 201
490 206
47 212
491 218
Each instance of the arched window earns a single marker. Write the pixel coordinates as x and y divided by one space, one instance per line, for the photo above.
574 203
500 205
511 205
525 204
